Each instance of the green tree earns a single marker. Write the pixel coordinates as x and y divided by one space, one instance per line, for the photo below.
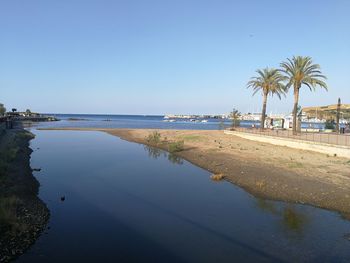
221 125
301 71
235 117
2 109
269 82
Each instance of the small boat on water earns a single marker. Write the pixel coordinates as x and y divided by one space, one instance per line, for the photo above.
204 121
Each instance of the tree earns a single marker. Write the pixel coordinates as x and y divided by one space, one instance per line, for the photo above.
235 117
2 109
301 71
28 112
221 125
269 82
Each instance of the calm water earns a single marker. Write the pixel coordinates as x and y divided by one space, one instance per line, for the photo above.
135 121
128 203
142 121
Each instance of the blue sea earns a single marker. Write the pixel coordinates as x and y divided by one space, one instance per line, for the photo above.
137 121
145 121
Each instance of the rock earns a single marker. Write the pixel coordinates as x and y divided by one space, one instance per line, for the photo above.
36 169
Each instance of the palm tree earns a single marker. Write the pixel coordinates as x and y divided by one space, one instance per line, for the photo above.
269 82
302 71
235 115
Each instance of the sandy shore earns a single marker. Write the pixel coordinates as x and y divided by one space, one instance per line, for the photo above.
264 170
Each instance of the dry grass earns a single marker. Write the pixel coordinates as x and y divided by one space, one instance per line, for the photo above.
191 137
217 177
260 184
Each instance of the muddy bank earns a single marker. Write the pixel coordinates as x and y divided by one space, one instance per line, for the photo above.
23 216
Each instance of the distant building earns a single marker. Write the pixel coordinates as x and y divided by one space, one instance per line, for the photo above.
327 112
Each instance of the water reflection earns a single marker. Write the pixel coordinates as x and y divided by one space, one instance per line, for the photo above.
266 206
155 153
292 219
175 159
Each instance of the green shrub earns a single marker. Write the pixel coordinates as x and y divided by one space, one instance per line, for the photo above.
177 146
329 125
154 137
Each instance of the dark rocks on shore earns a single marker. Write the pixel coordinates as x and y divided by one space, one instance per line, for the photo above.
26 215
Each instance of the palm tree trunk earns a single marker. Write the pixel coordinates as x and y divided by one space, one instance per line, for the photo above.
295 109
337 127
263 113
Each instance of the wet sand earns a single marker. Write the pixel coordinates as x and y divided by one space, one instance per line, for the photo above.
262 169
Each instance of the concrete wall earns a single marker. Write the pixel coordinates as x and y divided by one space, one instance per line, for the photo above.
341 151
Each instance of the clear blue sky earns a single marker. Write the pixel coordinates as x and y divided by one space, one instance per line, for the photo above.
159 56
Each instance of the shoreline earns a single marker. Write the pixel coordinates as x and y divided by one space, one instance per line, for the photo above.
23 214
266 171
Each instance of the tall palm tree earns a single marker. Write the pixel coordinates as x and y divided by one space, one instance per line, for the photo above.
302 71
269 82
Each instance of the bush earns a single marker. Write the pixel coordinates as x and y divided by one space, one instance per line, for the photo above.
329 125
217 177
176 146
154 137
